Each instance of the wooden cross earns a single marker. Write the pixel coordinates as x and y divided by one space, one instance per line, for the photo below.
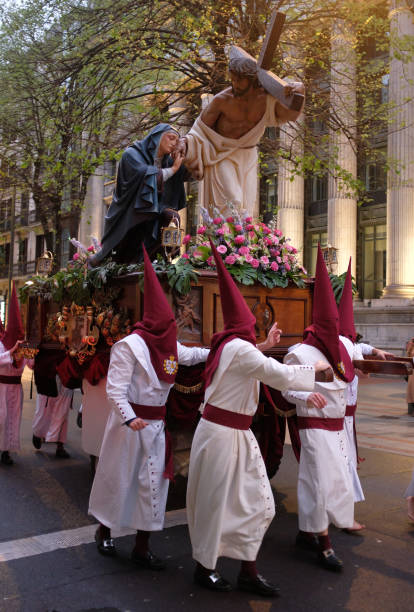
273 84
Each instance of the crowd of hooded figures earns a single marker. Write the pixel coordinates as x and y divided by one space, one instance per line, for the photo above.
230 502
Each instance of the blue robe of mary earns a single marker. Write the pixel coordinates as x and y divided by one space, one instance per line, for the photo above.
139 199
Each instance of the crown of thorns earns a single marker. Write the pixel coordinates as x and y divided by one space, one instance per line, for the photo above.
243 66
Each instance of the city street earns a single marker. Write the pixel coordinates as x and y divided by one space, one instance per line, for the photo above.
49 562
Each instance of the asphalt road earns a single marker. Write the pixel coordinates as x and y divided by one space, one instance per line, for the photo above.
48 561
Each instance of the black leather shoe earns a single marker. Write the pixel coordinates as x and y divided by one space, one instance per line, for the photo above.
148 561
307 542
37 442
6 459
257 585
62 453
105 546
330 561
212 581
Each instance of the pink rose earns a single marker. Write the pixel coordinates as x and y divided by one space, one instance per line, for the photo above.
249 227
230 220
220 232
268 241
274 266
266 230
279 259
244 250
218 221
230 259
274 252
222 249
255 263
287 266
248 219
294 250
76 257
91 248
238 228
264 259
185 256
239 239
201 230
186 239
278 232
249 258
285 259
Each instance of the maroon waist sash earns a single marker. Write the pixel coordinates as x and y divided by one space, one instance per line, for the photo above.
10 380
158 413
350 410
226 417
320 423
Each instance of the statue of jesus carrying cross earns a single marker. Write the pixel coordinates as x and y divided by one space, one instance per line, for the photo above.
221 145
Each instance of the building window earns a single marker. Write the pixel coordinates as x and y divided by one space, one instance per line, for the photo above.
373 261
314 238
65 247
375 177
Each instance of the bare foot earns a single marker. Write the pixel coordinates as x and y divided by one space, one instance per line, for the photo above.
355 527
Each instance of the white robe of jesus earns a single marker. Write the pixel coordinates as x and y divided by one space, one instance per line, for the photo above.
229 499
228 165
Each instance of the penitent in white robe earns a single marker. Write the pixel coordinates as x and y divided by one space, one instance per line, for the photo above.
11 403
228 165
50 420
129 490
229 499
325 490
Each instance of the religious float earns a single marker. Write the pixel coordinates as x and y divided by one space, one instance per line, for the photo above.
77 314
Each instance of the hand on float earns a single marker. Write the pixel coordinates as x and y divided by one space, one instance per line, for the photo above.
273 338
16 346
323 372
316 400
137 424
382 354
361 374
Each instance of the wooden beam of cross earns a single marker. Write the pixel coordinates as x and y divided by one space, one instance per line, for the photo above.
273 84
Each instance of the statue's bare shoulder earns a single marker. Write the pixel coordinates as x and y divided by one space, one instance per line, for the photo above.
233 116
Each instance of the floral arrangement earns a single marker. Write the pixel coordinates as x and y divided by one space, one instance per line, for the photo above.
83 253
251 250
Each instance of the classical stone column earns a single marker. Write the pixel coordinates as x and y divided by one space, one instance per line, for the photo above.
400 193
290 190
342 205
92 218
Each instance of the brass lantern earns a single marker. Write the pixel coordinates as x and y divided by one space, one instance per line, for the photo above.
44 264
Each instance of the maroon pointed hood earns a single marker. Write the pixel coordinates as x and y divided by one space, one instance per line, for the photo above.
14 328
323 334
158 327
346 309
239 322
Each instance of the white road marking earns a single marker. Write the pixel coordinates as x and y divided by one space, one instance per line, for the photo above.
48 542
